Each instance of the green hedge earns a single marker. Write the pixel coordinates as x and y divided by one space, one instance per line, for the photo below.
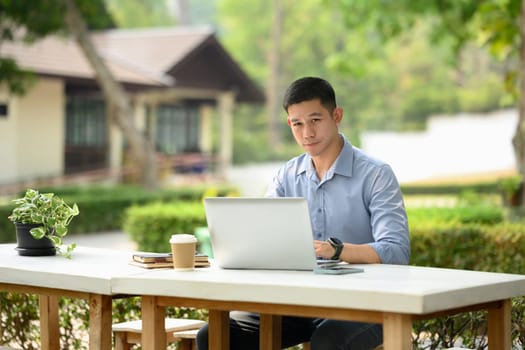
151 226
477 214
102 207
490 187
495 248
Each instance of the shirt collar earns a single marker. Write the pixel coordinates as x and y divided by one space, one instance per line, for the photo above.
342 166
345 161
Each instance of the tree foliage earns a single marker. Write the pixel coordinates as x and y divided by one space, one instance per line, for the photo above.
32 20
391 69
492 24
140 13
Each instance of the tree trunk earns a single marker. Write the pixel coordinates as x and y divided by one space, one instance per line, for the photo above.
183 12
272 87
519 136
141 149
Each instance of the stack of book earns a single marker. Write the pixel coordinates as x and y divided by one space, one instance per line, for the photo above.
201 260
159 260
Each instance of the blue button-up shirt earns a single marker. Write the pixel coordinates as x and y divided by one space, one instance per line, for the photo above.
358 201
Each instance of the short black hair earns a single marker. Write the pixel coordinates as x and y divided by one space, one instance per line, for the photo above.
310 88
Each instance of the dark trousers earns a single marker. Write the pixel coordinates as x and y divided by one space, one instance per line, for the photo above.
322 334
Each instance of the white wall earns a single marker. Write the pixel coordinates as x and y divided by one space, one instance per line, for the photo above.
7 139
32 137
451 146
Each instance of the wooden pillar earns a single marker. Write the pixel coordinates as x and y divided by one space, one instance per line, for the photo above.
397 332
270 332
49 326
205 138
226 102
100 333
500 325
219 329
153 328
139 115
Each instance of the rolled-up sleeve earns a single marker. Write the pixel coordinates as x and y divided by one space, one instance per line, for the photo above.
388 218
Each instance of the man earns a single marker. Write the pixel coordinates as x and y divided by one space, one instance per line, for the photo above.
356 209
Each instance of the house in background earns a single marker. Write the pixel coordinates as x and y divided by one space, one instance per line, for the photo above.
178 79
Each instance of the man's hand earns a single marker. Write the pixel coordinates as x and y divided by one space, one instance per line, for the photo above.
352 253
323 249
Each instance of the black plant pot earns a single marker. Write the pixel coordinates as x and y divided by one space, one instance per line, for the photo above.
30 246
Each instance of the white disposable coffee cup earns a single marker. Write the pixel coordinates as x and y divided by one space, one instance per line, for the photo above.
183 251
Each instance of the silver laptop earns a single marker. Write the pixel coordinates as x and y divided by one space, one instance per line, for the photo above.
261 233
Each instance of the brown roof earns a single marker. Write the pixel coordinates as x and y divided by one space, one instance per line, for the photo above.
159 57
159 48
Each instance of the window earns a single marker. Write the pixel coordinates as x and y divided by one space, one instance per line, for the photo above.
85 122
86 134
4 110
177 129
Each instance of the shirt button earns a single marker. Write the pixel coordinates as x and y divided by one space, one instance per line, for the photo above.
319 210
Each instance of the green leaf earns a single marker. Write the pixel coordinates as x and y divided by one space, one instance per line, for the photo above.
57 241
38 232
61 230
75 210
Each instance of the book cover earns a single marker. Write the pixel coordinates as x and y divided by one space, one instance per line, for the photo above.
159 260
152 257
159 265
151 265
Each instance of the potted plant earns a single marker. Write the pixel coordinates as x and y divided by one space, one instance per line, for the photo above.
41 221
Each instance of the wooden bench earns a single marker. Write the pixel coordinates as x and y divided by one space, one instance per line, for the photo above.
177 330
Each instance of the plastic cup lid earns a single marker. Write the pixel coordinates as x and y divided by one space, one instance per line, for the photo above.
183 238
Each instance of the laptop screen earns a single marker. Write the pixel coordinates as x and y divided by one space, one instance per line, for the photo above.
260 233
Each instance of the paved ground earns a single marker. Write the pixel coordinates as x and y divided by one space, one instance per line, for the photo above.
112 239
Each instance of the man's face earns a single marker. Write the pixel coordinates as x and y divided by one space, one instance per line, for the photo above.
315 129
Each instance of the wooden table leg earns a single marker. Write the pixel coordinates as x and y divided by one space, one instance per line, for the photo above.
270 332
49 327
500 326
397 331
219 329
153 329
100 322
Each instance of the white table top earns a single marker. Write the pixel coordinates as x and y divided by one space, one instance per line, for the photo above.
390 288
89 270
